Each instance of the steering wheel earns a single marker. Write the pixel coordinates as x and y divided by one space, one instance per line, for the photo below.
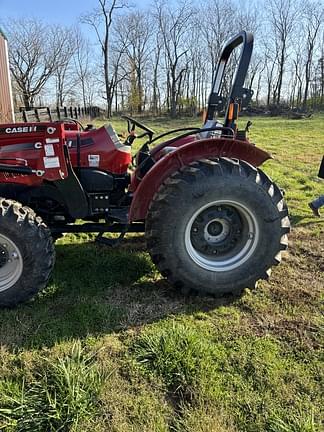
71 120
132 123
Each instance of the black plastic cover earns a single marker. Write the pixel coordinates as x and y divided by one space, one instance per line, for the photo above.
94 180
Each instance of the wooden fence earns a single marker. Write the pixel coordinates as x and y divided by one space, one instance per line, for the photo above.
58 113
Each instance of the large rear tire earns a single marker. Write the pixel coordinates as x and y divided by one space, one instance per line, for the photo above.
27 253
217 226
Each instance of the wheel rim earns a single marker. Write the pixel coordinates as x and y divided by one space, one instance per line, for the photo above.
11 263
221 235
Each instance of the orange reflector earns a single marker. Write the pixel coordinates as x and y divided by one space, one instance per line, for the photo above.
230 111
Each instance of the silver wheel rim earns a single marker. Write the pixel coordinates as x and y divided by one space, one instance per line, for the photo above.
11 263
214 257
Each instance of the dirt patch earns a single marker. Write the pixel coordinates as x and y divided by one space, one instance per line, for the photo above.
288 306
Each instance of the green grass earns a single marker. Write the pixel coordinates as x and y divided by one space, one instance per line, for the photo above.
60 393
109 346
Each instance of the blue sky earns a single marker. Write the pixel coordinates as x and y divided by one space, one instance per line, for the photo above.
53 11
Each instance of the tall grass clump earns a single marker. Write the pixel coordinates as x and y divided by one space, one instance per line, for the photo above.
180 356
62 393
247 378
298 421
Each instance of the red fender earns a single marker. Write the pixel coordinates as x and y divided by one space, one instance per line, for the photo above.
184 155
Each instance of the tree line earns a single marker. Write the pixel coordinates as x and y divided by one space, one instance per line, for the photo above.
162 58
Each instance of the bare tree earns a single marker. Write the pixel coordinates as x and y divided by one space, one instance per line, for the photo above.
164 57
34 55
216 21
134 32
298 79
282 16
82 64
64 76
101 20
119 72
197 59
156 98
313 15
321 72
174 26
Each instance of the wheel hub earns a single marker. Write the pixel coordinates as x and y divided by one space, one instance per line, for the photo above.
11 263
216 230
221 235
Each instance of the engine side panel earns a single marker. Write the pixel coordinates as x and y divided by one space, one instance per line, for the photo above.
201 149
35 145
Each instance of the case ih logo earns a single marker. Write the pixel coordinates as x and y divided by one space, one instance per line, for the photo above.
21 129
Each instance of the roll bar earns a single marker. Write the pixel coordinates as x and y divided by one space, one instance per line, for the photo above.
216 102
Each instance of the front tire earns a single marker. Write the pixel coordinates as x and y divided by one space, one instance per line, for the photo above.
26 253
217 226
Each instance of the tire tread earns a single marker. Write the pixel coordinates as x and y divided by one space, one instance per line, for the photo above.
37 238
207 168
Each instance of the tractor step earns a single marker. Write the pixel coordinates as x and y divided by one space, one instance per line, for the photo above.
99 228
110 242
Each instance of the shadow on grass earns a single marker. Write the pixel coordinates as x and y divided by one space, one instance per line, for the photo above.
305 220
97 290
296 219
316 222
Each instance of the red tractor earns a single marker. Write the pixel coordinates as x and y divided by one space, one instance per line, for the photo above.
214 222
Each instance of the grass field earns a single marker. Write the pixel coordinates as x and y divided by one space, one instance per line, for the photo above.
110 346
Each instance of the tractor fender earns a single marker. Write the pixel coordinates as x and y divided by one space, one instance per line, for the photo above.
184 155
